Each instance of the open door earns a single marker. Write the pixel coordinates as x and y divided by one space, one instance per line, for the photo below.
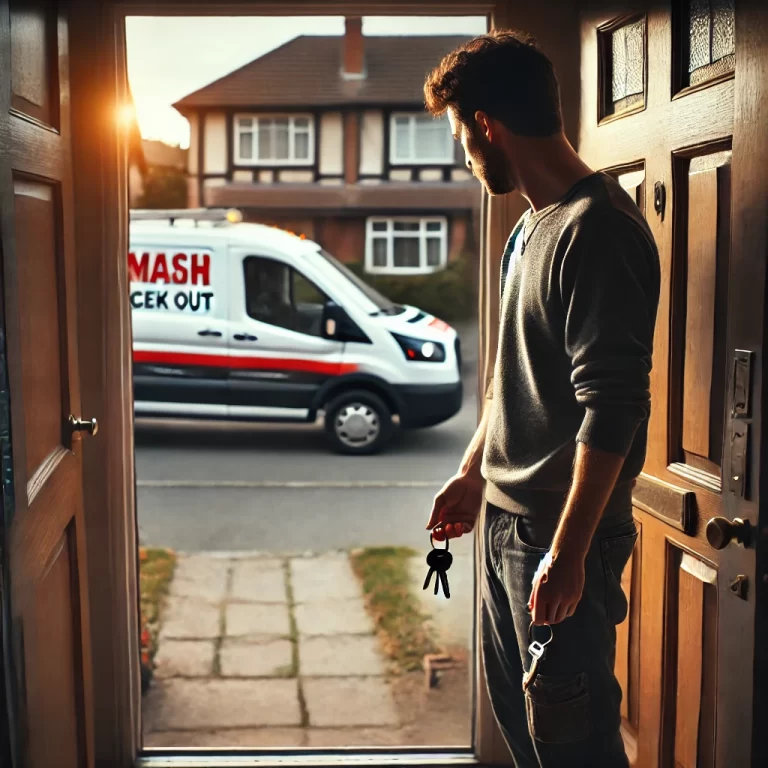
46 630
660 90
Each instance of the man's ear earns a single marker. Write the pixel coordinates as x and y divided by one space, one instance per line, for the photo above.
484 124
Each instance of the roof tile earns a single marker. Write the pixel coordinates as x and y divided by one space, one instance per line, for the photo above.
306 72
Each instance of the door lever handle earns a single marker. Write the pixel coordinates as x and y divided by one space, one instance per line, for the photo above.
91 426
209 333
245 337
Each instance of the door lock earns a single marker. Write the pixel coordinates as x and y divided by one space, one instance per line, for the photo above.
83 425
739 586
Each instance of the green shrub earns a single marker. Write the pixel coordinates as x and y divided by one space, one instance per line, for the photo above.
449 294
164 188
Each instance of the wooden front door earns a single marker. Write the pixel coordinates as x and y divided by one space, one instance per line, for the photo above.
658 107
45 598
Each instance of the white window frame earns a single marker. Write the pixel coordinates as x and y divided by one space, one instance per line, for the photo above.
447 159
291 160
390 235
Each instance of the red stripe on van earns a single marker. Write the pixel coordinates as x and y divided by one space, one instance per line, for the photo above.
242 363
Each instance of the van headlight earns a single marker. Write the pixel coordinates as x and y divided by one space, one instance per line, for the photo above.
419 350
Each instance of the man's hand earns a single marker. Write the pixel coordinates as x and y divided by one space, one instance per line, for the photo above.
557 590
456 507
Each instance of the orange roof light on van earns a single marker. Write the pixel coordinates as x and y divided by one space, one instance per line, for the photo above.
234 216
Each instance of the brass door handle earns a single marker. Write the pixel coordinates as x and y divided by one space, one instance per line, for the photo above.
83 425
721 532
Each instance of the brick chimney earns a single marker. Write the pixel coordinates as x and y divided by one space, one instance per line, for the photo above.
353 66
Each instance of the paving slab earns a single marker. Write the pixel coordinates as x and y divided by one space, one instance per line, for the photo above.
316 579
257 738
324 738
270 659
200 576
190 618
349 701
184 658
242 619
259 581
333 617
214 704
340 655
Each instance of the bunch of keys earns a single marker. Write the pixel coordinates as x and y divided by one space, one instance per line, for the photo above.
538 651
439 561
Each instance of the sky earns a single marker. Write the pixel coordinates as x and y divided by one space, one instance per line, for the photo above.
169 57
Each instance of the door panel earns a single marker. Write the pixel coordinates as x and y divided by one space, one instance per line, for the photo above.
46 606
691 645
52 681
702 250
670 148
34 74
38 271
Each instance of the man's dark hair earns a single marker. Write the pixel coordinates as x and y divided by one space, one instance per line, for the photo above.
503 74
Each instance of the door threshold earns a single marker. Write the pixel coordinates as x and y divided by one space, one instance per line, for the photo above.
345 758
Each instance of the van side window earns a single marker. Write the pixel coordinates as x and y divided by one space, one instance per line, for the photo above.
279 295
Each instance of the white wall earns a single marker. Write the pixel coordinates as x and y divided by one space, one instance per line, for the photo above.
297 176
215 151
331 144
194 138
400 174
372 143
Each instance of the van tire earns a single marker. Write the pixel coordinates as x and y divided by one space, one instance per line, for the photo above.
361 406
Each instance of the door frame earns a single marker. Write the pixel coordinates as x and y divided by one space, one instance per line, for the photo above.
100 185
750 233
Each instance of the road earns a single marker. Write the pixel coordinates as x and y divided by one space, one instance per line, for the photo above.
279 489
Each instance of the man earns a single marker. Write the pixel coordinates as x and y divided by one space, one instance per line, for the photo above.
564 430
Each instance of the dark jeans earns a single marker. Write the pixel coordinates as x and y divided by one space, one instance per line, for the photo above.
570 715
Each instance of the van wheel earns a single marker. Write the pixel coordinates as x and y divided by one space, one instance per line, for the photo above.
358 422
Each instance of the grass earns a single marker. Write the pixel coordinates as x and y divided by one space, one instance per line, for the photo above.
404 630
156 566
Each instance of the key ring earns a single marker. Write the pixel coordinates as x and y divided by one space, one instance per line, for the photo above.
432 542
530 635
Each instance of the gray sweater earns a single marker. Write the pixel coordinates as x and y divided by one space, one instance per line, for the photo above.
577 317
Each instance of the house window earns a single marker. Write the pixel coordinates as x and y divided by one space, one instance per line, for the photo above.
406 245
420 139
274 140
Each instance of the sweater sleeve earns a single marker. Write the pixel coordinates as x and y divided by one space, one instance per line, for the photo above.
609 290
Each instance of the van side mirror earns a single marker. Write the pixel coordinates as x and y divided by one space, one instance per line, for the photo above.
333 317
337 325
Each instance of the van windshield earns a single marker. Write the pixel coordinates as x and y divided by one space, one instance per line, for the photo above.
382 304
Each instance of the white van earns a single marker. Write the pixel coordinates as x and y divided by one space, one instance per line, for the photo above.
245 321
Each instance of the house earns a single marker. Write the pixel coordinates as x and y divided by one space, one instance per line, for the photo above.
327 136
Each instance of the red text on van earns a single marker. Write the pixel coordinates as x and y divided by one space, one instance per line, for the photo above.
179 269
